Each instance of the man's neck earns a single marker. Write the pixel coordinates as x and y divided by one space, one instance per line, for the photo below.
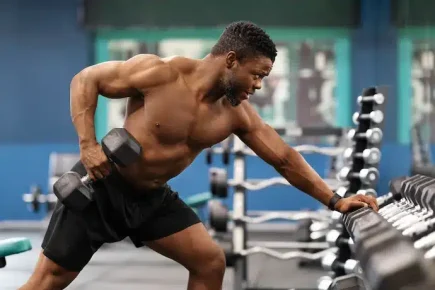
208 78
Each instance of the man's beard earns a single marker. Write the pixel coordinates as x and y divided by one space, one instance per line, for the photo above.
231 94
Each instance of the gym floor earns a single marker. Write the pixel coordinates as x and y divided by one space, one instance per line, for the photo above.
122 266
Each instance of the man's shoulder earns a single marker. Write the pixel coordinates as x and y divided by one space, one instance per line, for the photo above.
183 65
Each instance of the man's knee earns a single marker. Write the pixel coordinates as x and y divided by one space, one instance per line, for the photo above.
212 262
49 275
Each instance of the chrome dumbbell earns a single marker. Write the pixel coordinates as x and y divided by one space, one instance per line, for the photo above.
368 176
370 155
373 136
378 99
330 262
375 116
368 192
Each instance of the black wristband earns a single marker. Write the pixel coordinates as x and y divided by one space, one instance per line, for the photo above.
333 201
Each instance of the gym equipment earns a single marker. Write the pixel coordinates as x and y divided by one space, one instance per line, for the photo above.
378 99
75 191
346 282
389 259
369 155
218 216
335 238
13 246
373 136
219 183
330 262
375 116
367 176
59 163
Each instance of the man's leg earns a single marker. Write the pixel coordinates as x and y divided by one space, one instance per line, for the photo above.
198 253
176 232
49 276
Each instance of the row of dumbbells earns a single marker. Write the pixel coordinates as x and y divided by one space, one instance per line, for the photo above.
414 214
389 243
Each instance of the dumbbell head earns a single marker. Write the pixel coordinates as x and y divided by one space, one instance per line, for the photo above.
218 216
121 147
324 283
72 192
373 135
218 182
374 116
367 192
367 176
377 99
369 155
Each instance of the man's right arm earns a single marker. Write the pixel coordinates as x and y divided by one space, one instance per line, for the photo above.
112 79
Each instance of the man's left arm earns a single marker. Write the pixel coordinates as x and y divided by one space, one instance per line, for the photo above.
270 147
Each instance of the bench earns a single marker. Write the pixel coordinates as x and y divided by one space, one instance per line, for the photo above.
13 246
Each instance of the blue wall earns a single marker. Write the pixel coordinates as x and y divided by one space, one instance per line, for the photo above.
43 46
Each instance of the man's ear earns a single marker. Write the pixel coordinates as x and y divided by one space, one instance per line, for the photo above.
231 59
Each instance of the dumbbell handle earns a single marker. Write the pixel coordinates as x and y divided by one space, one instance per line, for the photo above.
85 179
419 227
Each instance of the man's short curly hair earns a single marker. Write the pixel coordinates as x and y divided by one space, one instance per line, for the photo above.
247 40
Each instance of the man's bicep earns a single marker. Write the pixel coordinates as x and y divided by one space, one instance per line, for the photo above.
264 141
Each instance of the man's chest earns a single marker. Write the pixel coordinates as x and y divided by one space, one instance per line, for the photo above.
196 124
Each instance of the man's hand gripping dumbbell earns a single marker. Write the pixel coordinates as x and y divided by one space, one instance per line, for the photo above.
118 146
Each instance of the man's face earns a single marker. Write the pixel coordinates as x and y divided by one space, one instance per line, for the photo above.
244 77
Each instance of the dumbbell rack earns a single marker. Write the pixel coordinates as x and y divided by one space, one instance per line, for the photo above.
366 120
396 246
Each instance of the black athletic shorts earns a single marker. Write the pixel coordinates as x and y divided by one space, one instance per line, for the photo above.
118 211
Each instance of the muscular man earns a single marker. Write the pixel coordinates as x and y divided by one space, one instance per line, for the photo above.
176 108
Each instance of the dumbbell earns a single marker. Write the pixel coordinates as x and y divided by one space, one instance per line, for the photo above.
218 216
330 262
375 116
415 198
75 191
395 186
373 135
368 192
393 208
368 176
378 99
375 241
426 222
218 182
407 189
369 155
423 197
324 283
336 239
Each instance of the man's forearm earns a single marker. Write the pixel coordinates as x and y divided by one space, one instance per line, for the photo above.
83 102
302 176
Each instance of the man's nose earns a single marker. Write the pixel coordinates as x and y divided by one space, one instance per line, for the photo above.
257 85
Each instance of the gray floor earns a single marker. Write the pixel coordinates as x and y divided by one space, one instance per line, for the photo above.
121 266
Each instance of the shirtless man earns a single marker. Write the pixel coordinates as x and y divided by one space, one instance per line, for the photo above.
176 108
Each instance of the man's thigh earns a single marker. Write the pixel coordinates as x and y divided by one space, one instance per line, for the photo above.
176 232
